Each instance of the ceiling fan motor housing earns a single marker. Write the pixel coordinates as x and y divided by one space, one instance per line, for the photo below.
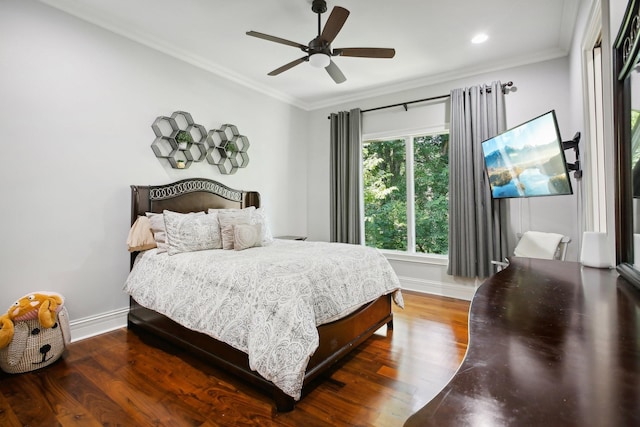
318 45
319 6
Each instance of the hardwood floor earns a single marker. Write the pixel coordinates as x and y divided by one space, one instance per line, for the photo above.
119 379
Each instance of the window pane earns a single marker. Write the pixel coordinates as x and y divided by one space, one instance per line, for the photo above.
385 194
431 184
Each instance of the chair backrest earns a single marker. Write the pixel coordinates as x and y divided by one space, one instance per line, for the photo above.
537 244
561 252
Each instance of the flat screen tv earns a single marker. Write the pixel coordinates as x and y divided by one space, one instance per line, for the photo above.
527 160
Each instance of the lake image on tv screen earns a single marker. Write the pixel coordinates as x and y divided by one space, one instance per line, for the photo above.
527 161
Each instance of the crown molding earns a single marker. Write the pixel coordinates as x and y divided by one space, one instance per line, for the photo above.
440 78
87 14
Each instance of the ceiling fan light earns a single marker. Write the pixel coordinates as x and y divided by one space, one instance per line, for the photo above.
319 60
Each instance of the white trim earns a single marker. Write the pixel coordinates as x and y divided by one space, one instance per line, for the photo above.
88 14
435 129
597 143
608 124
595 203
418 258
445 77
88 327
409 158
593 28
411 198
451 290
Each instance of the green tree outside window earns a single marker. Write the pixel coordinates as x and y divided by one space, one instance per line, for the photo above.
385 193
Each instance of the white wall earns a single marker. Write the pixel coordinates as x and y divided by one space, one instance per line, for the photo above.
76 107
616 14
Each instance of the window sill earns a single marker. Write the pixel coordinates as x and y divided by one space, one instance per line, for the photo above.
416 257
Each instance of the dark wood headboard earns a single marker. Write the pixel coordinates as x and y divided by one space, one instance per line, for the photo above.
188 195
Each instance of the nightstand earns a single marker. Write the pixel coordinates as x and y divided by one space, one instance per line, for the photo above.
292 237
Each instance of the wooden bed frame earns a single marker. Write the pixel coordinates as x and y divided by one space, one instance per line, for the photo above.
337 339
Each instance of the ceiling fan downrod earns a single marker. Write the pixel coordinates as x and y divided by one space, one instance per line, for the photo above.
319 7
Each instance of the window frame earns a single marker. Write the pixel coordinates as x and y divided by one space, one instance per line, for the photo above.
408 135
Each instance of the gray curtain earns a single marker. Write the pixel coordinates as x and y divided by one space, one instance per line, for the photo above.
346 159
476 223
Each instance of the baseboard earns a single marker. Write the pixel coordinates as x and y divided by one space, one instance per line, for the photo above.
95 325
451 290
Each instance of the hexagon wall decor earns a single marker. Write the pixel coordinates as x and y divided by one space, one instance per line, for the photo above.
227 149
179 140
182 142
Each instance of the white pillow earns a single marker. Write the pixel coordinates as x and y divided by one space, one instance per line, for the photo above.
188 232
250 208
159 233
246 236
228 218
159 230
259 216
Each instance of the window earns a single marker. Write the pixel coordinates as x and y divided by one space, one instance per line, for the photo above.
406 193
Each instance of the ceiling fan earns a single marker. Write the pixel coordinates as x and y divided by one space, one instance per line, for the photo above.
319 52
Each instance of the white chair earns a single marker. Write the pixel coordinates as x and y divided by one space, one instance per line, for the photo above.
538 244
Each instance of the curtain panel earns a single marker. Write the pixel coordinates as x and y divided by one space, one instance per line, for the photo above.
476 222
346 202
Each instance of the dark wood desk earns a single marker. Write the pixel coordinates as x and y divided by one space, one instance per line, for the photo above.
551 343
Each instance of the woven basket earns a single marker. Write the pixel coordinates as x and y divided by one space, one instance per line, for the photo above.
33 346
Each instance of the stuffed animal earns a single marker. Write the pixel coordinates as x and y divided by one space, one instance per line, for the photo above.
34 332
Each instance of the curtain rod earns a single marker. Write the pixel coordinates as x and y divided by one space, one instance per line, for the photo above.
404 104
433 98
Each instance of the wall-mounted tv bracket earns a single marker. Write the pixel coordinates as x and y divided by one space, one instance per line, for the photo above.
577 174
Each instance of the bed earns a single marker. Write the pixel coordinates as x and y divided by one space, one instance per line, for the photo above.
336 336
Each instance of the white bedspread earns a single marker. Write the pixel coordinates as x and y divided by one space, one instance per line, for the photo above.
264 301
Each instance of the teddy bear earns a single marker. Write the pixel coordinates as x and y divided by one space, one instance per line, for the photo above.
34 332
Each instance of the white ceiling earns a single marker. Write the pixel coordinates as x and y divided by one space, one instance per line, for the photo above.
431 39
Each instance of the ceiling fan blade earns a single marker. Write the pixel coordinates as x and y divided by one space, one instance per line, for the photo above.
365 52
335 73
334 24
289 65
276 39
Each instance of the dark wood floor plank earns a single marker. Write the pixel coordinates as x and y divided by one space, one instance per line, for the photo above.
122 378
70 411
26 395
8 418
98 403
139 404
205 395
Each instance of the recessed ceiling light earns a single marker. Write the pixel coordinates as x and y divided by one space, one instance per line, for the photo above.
480 38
